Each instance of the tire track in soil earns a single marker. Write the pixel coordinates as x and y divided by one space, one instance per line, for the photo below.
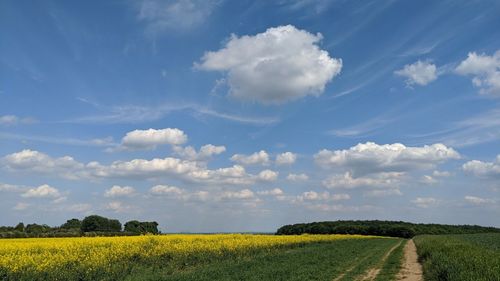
373 272
338 278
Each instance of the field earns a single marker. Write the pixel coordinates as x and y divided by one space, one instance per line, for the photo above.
460 257
201 257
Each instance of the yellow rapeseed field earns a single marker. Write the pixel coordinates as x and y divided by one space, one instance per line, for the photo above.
87 258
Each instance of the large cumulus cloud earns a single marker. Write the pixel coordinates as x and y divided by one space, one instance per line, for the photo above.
281 64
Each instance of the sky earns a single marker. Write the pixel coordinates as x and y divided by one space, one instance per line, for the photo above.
236 116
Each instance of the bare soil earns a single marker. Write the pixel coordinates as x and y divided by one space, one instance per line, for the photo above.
411 269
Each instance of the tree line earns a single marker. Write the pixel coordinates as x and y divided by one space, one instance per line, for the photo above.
93 225
380 228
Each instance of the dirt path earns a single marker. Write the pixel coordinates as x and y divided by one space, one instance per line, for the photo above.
372 273
411 269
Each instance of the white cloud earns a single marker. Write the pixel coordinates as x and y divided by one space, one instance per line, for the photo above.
143 167
372 158
286 158
324 196
183 169
481 169
167 190
339 208
261 158
11 120
478 201
271 192
119 191
204 153
420 73
268 175
485 72
182 194
210 149
79 208
67 167
21 206
8 120
10 187
313 195
382 192
297 177
31 160
435 177
241 194
425 202
342 196
59 199
438 174
119 207
43 191
231 175
278 65
177 14
347 181
426 179
151 138
203 195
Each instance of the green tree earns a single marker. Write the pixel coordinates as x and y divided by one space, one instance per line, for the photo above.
138 227
37 228
19 227
72 224
100 224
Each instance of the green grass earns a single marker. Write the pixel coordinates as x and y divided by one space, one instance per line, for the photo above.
469 257
392 265
322 261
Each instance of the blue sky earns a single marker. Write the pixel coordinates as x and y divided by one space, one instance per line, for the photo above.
247 115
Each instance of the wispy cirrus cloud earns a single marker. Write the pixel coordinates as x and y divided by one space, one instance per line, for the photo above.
104 142
12 120
311 7
160 16
478 129
134 114
364 128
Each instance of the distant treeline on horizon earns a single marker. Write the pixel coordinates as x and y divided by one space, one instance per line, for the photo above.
380 228
90 226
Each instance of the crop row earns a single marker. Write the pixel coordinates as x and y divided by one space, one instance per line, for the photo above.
111 258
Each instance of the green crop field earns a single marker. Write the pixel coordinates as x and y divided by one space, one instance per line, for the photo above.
202 257
262 257
468 257
340 260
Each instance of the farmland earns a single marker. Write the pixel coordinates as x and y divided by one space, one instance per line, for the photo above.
460 257
339 257
200 257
